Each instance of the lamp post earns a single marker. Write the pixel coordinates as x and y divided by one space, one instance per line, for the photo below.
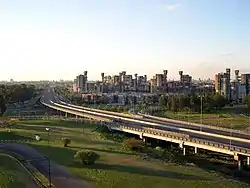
48 130
201 120
230 142
249 118
49 169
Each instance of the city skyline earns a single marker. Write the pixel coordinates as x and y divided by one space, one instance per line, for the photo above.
57 40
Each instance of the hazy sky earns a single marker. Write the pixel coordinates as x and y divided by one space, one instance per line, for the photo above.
53 39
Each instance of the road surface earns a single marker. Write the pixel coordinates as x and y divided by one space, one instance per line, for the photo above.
60 176
49 96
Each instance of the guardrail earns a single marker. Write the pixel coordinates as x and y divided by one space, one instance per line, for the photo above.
163 119
155 124
185 139
195 124
106 111
28 168
203 142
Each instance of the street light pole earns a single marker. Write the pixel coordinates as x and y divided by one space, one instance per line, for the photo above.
48 129
49 172
201 120
230 143
249 118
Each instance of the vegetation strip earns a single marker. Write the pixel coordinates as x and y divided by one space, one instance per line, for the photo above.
117 165
40 180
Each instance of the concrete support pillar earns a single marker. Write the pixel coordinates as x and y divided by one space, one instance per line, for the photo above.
66 114
141 136
144 139
184 150
195 150
239 164
248 161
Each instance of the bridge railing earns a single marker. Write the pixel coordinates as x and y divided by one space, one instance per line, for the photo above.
195 124
184 138
140 115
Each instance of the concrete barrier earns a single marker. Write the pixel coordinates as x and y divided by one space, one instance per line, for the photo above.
195 124
106 111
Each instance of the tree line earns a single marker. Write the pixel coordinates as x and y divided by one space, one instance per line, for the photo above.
209 102
17 93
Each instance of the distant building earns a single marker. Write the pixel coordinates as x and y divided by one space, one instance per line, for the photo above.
185 79
222 84
159 82
80 83
123 83
245 81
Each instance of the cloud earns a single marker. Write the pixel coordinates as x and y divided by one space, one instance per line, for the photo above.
172 6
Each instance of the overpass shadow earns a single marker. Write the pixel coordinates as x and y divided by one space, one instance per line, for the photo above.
226 170
146 171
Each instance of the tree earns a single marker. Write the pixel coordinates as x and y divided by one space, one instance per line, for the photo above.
87 157
148 100
66 142
181 102
247 102
113 108
120 109
138 107
133 144
219 101
105 100
173 104
126 108
2 105
195 103
162 101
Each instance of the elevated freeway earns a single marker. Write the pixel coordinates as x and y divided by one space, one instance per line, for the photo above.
211 138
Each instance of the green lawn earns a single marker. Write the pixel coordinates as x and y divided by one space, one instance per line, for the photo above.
12 175
223 119
116 167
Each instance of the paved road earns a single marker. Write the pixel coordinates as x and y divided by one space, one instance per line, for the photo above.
189 126
50 95
192 135
61 177
204 129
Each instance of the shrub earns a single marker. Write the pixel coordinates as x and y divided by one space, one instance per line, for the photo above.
126 108
66 142
120 109
133 144
158 148
155 153
87 157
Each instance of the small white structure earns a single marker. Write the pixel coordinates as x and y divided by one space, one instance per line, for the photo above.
38 137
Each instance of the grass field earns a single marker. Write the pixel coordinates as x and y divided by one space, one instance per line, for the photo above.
223 119
12 175
116 167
